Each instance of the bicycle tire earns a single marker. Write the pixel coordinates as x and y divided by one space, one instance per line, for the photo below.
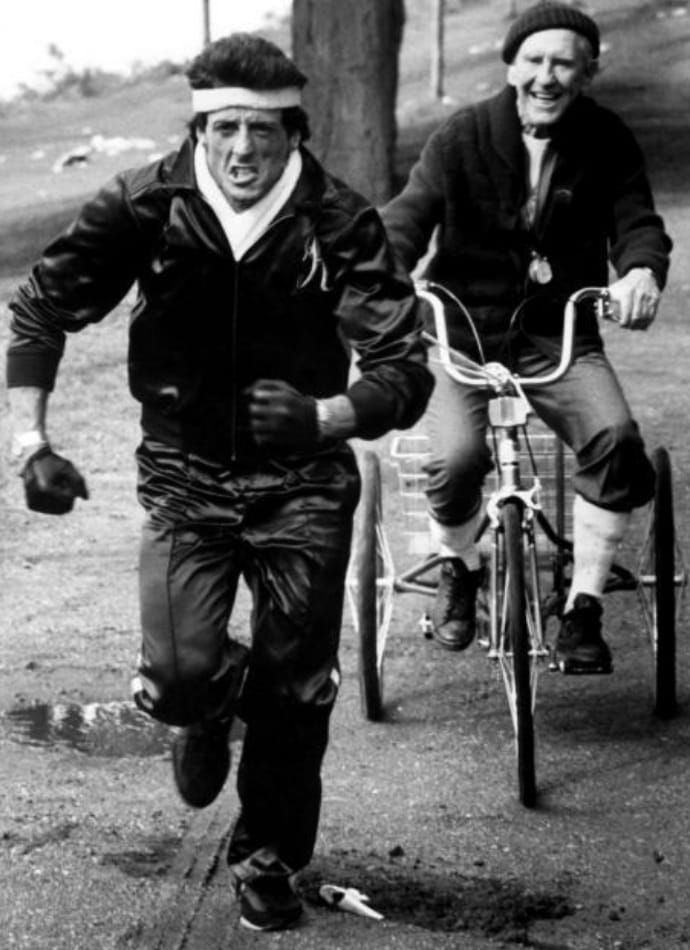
663 547
518 630
368 570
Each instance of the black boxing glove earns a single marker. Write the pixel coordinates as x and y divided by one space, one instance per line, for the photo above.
51 483
280 415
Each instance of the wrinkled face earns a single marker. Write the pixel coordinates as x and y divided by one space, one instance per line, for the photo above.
549 71
247 151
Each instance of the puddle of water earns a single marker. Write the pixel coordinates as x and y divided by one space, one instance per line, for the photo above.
110 729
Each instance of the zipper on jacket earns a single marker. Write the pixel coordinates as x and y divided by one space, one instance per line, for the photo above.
233 334
233 365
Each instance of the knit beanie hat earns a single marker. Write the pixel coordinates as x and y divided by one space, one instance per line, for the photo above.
548 15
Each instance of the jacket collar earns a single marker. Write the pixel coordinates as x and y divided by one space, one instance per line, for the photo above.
312 189
194 217
180 171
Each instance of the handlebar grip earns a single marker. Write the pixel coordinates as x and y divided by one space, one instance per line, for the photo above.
608 309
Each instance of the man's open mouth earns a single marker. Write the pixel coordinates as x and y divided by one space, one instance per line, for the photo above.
242 175
544 100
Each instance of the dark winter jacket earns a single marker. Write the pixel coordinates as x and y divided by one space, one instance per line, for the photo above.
470 181
320 281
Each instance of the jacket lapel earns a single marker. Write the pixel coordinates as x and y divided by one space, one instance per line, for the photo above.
191 221
571 149
304 204
505 152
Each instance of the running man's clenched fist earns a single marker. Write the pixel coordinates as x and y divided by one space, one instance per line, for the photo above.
280 415
51 483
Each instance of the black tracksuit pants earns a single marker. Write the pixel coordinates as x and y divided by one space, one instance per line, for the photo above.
285 527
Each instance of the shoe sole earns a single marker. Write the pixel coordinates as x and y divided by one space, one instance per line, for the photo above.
283 924
574 668
453 647
455 644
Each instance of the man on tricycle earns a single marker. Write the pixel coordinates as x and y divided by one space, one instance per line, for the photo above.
532 194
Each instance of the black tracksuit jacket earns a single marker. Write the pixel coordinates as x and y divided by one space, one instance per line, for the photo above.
318 284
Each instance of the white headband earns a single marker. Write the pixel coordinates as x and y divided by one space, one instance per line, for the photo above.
221 97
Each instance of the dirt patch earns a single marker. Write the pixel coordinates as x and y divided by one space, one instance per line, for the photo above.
417 893
154 859
33 842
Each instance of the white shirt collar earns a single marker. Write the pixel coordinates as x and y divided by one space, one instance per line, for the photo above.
244 228
536 152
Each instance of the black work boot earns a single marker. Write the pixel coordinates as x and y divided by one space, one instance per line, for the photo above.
201 751
580 647
453 615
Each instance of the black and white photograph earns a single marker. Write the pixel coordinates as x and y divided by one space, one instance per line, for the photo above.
344 488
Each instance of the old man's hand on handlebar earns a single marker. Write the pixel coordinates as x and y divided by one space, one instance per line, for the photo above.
636 298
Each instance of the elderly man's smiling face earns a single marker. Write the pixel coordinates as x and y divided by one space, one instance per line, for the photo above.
549 71
246 151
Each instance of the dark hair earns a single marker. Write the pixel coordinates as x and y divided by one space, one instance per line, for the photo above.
244 59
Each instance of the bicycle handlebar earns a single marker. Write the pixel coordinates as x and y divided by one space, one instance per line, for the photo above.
494 375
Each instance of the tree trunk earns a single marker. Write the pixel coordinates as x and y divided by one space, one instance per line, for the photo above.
349 52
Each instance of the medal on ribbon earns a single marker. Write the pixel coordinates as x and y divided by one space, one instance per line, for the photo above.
539 269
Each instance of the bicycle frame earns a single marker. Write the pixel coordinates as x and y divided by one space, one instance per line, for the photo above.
513 419
516 615
508 417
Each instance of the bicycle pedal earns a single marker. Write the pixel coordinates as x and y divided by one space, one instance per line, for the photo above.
572 668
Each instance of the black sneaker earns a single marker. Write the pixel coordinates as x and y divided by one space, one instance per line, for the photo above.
201 751
201 761
453 615
268 903
580 647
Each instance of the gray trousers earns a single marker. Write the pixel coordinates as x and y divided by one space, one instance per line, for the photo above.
586 409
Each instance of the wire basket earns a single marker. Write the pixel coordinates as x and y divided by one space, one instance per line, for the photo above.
409 454
554 466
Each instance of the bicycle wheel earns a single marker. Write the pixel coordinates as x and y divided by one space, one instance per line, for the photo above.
371 588
515 611
664 606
